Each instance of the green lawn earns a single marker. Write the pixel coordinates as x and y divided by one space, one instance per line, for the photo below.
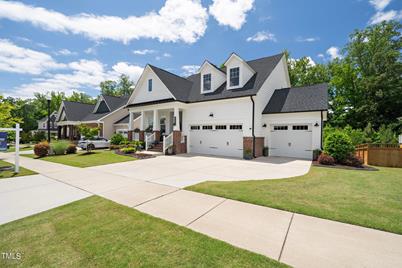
11 173
22 148
367 198
83 159
95 232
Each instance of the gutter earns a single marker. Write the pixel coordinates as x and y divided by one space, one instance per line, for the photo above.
252 125
321 130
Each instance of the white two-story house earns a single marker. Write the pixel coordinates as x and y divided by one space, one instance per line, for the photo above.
231 111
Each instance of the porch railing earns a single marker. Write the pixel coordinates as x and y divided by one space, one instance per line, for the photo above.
149 140
167 142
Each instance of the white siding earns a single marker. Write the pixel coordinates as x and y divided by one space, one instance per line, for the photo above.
141 93
217 77
108 122
278 79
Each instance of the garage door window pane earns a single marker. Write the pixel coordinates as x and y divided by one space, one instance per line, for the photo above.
280 127
240 127
300 127
206 127
195 127
220 127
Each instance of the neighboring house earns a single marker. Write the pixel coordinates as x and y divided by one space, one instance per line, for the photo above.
107 114
240 108
42 123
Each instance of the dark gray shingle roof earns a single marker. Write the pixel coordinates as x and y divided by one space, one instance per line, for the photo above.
76 111
126 119
298 99
189 89
115 102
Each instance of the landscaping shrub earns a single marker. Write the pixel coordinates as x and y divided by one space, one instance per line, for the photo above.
39 136
26 137
316 154
353 161
41 149
59 147
338 145
128 150
71 149
325 159
117 139
114 147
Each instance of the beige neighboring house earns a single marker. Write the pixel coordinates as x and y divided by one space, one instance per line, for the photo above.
108 114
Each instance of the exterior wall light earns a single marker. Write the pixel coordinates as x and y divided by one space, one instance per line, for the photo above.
316 124
264 125
211 115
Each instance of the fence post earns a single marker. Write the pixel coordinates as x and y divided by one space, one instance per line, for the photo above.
17 148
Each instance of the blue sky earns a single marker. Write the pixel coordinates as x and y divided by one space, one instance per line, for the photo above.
74 45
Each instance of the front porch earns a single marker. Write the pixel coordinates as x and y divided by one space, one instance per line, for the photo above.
70 130
159 127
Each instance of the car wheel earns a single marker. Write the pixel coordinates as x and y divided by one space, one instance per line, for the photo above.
90 147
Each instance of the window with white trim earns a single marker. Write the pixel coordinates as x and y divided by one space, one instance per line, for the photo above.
149 85
234 74
238 127
280 127
206 80
206 127
300 127
220 127
195 127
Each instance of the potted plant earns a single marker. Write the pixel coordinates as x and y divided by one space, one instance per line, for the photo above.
265 151
248 154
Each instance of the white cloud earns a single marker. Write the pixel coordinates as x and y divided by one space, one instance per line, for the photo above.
380 4
144 51
386 16
333 52
190 69
133 71
167 55
23 60
307 39
262 36
231 13
65 52
82 74
177 20
320 55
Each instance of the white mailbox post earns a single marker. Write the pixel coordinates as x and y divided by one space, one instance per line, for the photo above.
17 130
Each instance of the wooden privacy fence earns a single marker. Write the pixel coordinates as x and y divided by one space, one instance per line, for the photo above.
385 155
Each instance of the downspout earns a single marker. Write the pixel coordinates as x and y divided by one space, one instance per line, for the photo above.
252 125
321 130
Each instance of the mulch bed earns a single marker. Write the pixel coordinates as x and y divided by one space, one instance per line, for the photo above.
136 155
366 168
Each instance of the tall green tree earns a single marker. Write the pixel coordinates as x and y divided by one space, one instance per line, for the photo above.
123 87
6 117
81 97
369 86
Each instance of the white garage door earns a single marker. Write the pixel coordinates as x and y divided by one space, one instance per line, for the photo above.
225 140
291 141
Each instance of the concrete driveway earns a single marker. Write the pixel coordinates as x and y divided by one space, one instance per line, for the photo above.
184 170
27 195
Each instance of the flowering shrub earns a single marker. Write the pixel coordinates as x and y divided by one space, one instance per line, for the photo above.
41 149
325 159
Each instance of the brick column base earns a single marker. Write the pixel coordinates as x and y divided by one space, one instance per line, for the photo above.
130 135
157 135
259 145
178 146
142 135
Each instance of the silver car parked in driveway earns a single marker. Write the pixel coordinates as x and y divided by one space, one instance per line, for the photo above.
95 143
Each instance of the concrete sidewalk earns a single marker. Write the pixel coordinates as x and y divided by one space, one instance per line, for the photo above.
297 240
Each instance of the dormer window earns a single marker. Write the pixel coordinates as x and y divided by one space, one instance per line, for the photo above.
149 85
234 77
206 82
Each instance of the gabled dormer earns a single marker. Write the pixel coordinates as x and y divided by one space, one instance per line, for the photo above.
101 106
211 77
238 72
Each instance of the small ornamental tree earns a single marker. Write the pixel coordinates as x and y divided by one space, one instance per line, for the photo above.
88 132
338 145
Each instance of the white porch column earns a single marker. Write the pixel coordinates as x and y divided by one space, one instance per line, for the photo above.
130 120
176 119
156 124
142 121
